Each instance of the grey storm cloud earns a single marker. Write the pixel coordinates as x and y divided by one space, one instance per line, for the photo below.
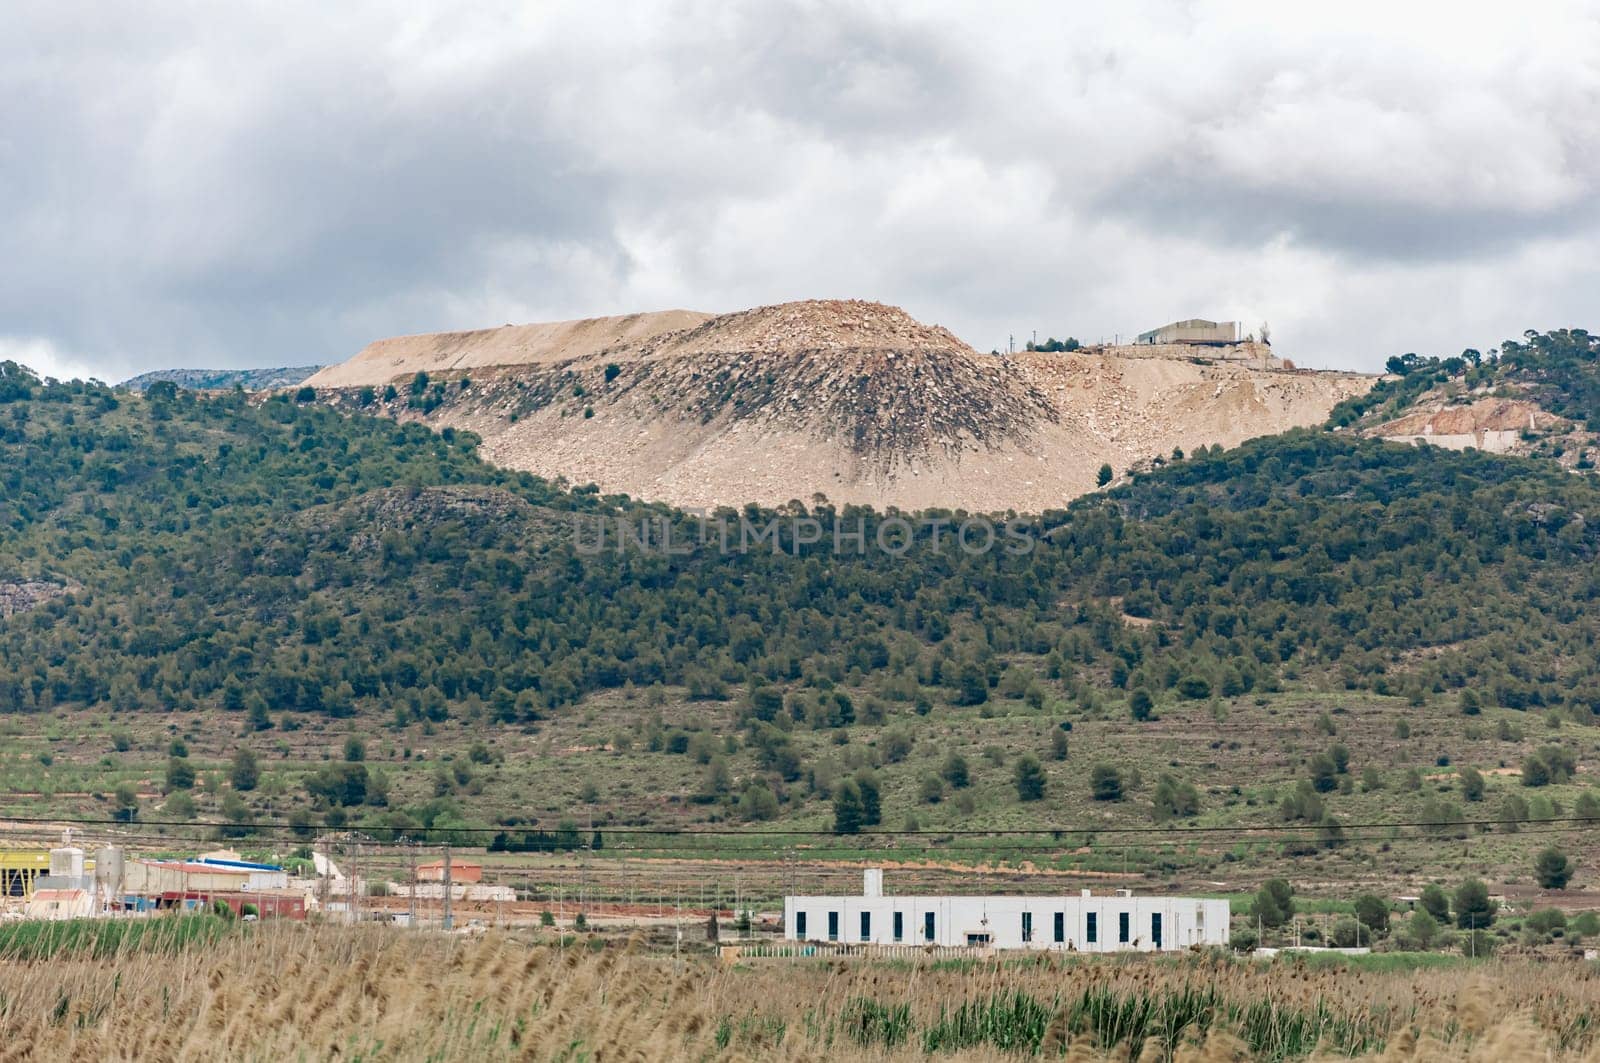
279 184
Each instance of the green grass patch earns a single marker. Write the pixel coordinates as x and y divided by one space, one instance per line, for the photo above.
1015 1021
1379 961
100 938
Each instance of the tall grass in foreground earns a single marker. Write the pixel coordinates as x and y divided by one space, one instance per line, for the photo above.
285 991
102 938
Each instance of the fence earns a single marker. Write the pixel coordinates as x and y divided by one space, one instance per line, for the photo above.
805 950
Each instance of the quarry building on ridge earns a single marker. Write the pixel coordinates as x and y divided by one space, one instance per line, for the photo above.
1195 330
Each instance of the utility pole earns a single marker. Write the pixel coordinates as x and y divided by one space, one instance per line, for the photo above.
325 880
447 887
411 850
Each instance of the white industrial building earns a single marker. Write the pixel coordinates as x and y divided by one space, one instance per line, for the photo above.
1193 330
54 905
1082 922
260 877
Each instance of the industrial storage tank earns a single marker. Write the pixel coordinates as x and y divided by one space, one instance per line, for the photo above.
109 877
66 862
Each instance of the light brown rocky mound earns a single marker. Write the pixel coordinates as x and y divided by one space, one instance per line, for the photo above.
862 374
403 357
816 325
856 401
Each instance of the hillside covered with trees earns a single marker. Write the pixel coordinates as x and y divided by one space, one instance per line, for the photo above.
281 558
1558 370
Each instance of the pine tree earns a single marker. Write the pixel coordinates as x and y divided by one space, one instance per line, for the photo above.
1435 902
1030 778
245 773
1552 869
1474 909
1274 904
871 799
847 810
1140 705
1105 783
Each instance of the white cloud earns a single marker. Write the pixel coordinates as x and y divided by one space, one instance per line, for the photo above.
279 185
44 358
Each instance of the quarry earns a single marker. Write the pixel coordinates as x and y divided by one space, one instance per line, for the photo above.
851 400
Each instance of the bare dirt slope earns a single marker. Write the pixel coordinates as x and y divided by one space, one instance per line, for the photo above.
852 400
404 356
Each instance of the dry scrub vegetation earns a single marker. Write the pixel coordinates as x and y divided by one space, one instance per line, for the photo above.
295 992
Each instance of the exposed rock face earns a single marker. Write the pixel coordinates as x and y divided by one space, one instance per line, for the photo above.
360 524
1495 425
224 379
18 596
867 375
853 400
1253 352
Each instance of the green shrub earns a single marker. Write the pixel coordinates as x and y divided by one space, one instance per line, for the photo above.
1552 869
1274 904
1030 778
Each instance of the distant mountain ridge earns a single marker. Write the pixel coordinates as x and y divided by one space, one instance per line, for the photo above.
222 379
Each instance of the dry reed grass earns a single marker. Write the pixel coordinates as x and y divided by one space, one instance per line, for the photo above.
302 992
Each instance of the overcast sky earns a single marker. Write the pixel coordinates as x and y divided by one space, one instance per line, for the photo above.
276 184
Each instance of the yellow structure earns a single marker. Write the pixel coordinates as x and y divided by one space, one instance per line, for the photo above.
19 868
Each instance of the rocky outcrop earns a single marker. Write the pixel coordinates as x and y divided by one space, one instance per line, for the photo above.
1494 424
224 379
18 596
359 525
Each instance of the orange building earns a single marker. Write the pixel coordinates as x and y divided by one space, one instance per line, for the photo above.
459 872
